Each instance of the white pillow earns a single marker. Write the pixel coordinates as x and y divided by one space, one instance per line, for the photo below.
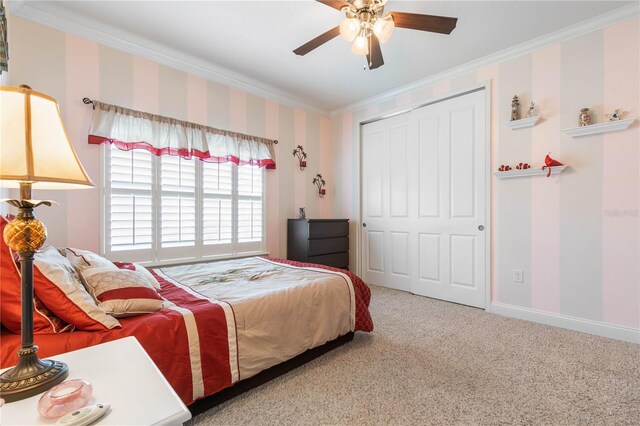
83 259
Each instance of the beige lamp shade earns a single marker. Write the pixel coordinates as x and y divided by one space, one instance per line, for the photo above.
34 146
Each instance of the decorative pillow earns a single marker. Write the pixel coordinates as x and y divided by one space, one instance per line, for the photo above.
57 325
142 270
122 292
44 321
83 259
59 287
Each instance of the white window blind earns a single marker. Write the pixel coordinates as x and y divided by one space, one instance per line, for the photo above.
166 208
217 211
131 206
249 204
178 206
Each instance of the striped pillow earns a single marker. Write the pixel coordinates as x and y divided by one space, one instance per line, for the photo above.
57 284
142 270
122 292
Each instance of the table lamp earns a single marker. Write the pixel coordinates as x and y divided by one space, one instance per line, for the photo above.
34 150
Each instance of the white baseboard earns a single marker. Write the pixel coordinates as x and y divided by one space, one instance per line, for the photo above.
598 328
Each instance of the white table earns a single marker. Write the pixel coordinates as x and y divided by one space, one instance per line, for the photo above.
123 375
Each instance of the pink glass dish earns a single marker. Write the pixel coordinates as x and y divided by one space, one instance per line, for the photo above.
64 398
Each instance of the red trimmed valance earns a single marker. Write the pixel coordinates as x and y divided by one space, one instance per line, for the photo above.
129 129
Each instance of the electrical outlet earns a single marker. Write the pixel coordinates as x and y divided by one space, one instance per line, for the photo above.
518 276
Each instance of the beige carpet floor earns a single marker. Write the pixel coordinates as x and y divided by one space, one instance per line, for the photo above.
433 362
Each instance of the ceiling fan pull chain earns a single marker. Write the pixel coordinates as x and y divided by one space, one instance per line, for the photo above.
369 55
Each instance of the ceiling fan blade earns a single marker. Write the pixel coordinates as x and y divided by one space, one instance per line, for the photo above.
317 42
374 57
336 4
432 23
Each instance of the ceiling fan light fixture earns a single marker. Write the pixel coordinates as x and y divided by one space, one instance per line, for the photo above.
383 28
349 28
366 26
360 45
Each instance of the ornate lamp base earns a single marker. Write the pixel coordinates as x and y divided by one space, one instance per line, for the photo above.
31 376
25 235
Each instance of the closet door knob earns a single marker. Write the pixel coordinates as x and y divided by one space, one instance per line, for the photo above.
481 228
364 225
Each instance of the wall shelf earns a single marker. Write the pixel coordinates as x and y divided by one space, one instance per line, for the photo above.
594 129
529 172
523 122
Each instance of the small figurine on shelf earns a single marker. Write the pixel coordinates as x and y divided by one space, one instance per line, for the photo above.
550 162
299 152
302 214
504 168
585 118
523 166
515 108
531 112
617 115
320 183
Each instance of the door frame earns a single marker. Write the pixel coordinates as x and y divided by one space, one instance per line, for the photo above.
377 116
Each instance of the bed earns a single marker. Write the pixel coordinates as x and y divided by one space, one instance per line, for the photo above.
230 321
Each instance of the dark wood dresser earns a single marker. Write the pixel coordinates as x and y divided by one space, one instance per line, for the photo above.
323 241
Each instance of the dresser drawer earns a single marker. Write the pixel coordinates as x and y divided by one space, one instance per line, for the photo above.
322 241
328 229
328 246
337 260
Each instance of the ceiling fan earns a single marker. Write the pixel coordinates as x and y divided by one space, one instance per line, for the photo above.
366 25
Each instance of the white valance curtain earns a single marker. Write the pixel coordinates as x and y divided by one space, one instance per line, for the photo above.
129 129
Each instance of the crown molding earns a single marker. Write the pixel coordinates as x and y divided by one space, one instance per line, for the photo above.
573 31
138 46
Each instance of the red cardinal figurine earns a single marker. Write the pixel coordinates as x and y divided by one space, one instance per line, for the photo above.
550 162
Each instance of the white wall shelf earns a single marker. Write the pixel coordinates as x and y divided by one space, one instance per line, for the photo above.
523 122
594 129
537 171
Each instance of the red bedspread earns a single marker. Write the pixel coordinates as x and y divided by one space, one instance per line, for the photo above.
165 337
189 343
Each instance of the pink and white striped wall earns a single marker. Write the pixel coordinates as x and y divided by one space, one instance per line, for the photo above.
70 68
576 236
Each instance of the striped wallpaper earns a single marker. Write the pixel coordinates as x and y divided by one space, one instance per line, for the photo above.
70 68
577 236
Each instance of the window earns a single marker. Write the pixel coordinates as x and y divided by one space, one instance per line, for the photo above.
249 204
217 203
167 208
178 202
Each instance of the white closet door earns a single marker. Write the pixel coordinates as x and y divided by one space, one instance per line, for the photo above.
423 186
388 146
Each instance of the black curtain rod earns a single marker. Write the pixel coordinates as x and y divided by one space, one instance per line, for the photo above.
88 101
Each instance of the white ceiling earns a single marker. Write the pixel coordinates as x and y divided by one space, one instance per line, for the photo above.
252 41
